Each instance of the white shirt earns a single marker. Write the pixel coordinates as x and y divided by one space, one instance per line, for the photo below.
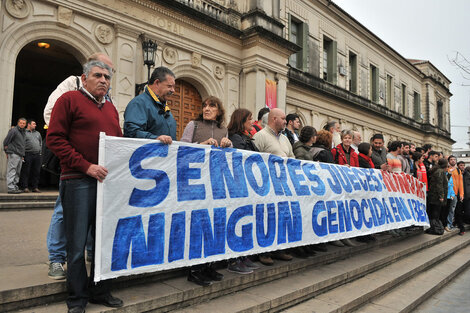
69 84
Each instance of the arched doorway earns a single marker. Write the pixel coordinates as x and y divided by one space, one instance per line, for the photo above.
38 71
185 104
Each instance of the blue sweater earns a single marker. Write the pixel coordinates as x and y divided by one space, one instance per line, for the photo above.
144 118
450 188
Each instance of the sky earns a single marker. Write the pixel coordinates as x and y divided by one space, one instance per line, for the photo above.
432 30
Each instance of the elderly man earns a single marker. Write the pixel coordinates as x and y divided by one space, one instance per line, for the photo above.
335 129
271 140
76 121
56 234
14 146
148 115
357 139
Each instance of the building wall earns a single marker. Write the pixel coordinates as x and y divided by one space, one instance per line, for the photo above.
229 51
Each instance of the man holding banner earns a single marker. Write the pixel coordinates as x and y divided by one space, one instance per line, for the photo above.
77 119
148 115
271 140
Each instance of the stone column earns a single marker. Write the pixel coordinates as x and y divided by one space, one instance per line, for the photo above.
281 91
126 62
254 93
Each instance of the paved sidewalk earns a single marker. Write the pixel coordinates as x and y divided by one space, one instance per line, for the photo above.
452 298
23 237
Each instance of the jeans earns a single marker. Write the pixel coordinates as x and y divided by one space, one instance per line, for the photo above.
450 216
56 234
14 164
79 203
30 171
56 240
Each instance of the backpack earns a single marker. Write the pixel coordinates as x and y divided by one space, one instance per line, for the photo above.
315 152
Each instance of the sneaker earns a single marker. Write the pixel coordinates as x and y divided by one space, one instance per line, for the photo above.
36 190
461 233
265 259
299 252
348 243
280 255
198 278
239 267
309 250
26 190
56 271
336 243
14 191
447 228
248 263
211 273
321 247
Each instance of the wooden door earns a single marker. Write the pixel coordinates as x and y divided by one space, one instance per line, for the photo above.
185 104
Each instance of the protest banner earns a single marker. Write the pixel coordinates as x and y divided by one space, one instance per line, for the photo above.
169 206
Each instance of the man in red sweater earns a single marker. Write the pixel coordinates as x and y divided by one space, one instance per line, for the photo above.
73 135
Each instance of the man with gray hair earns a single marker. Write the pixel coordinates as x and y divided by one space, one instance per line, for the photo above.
357 139
77 119
148 115
56 240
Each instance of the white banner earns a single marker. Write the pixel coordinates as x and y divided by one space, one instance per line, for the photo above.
169 206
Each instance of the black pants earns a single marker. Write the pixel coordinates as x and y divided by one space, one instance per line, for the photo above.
30 171
434 210
459 216
79 203
445 212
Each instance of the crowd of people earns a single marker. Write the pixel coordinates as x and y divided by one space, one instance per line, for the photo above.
81 107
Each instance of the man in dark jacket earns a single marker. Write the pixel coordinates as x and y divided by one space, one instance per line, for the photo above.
292 128
148 115
437 194
379 153
31 169
14 145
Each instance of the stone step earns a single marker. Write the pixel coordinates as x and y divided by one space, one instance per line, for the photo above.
284 284
27 205
44 196
352 291
407 296
351 296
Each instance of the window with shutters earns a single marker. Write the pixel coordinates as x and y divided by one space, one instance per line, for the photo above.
352 72
330 60
417 106
404 102
389 95
374 83
298 34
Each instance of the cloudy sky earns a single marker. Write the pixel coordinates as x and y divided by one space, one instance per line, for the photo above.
431 30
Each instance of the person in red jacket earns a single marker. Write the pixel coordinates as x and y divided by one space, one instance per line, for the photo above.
344 154
77 119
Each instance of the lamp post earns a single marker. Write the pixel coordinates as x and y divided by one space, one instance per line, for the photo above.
149 49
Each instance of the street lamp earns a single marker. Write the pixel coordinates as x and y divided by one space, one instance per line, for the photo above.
149 49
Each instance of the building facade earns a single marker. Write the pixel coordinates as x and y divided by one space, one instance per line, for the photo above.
323 63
